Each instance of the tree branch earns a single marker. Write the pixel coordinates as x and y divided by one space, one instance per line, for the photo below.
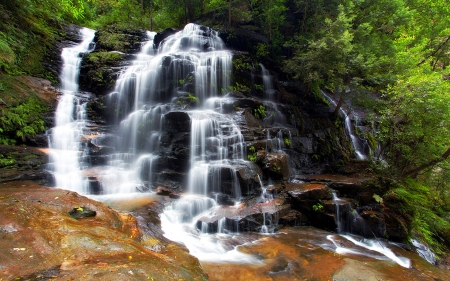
435 52
427 165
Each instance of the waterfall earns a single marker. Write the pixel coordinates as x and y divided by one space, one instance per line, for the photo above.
357 142
65 139
267 83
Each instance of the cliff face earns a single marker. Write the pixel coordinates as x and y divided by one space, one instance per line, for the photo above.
288 133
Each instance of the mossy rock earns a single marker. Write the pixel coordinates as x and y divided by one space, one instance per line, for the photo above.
82 212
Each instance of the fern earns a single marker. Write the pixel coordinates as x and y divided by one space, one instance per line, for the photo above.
20 121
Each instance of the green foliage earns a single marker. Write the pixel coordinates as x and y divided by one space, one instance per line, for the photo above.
261 51
238 87
378 198
275 167
252 156
240 64
20 121
259 87
327 60
287 142
429 213
192 98
103 57
270 15
317 207
260 112
6 161
415 126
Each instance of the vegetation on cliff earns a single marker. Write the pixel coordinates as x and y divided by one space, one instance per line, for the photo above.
394 50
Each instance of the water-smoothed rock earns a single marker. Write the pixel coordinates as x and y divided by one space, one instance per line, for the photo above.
161 35
294 218
308 191
177 121
40 237
360 188
368 223
252 217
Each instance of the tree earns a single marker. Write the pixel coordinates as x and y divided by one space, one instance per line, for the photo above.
270 15
415 127
327 60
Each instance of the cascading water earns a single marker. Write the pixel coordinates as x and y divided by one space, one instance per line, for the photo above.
170 102
267 82
357 143
66 149
371 247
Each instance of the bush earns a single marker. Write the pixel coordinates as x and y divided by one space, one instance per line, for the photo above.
21 121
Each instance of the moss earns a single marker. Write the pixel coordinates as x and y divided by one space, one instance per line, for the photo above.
104 58
371 140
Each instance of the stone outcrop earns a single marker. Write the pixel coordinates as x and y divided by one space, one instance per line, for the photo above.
40 238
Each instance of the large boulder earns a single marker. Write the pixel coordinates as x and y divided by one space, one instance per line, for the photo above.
40 238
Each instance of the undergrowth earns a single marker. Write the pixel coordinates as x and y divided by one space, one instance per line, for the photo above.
430 213
20 121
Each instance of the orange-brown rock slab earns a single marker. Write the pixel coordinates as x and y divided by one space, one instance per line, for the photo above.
38 237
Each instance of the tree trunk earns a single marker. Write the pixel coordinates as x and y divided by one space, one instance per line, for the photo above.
151 15
339 105
229 13
431 163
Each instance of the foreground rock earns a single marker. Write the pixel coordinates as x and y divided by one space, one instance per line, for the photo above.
39 239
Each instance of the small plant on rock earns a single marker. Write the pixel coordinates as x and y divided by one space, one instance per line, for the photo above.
317 207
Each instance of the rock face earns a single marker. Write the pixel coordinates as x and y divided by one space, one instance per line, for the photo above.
287 133
40 238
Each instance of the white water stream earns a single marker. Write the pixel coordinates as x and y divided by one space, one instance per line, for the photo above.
66 149
349 128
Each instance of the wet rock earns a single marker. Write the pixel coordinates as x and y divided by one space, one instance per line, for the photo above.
94 186
99 155
277 165
251 120
93 246
344 205
25 163
163 191
308 191
275 190
161 35
248 217
293 218
222 199
82 212
347 186
174 195
368 223
303 144
177 121
323 220
248 178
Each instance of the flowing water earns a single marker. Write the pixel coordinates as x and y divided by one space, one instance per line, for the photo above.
357 142
176 92
65 139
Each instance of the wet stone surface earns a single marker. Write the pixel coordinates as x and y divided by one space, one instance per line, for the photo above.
40 240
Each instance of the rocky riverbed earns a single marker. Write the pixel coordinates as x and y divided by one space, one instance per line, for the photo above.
42 241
